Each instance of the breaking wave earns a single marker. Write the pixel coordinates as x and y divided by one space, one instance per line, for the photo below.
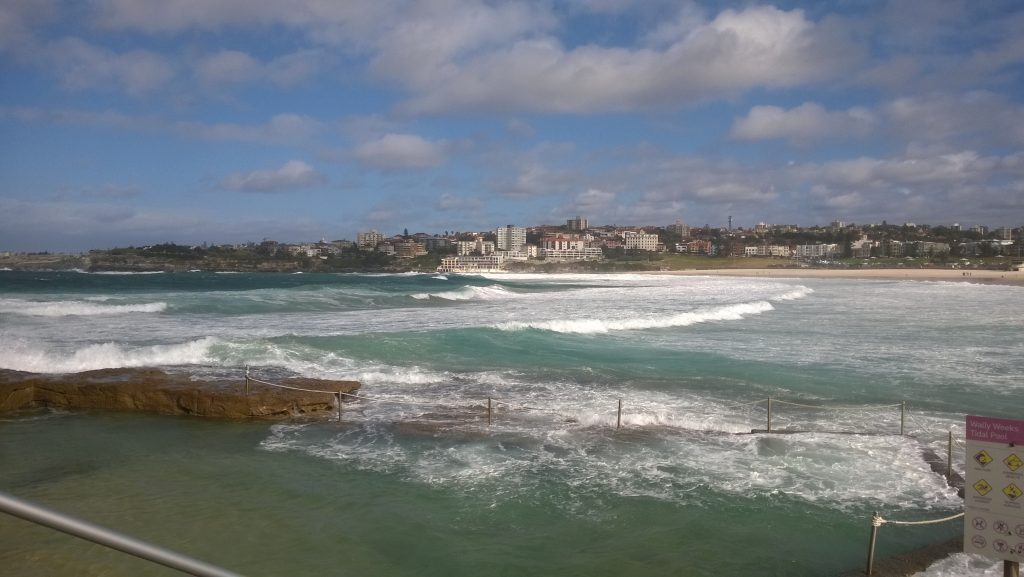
599 326
75 308
795 294
26 356
493 292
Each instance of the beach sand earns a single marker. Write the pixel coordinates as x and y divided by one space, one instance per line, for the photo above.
919 274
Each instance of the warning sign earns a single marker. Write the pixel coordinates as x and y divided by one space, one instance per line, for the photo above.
983 458
994 502
1013 492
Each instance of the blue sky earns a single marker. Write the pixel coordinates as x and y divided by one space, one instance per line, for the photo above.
131 122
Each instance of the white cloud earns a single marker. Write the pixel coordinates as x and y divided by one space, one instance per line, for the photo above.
805 123
520 128
452 202
282 128
105 118
16 20
229 67
976 118
111 191
593 201
887 174
400 151
735 52
74 226
80 65
355 24
294 174
534 178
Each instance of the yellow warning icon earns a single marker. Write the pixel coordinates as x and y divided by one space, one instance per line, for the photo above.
982 487
1013 462
1013 492
983 458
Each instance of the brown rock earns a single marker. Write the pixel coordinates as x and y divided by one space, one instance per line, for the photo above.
154 391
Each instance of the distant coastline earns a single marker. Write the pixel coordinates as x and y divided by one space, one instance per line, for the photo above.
918 274
699 266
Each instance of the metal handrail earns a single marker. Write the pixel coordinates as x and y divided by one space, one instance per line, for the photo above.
108 538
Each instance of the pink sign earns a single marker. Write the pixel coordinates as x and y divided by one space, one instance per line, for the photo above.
995 430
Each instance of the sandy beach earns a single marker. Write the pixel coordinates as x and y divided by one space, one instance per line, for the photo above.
919 274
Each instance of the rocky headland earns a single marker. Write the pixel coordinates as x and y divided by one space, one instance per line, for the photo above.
154 391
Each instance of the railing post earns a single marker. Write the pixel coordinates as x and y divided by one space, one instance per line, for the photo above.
488 411
871 544
337 397
769 429
247 380
618 420
949 457
903 416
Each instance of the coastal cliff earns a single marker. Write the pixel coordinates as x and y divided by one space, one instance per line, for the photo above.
155 391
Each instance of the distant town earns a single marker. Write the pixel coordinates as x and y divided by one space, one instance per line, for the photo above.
578 246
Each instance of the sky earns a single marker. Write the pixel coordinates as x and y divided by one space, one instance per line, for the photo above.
134 122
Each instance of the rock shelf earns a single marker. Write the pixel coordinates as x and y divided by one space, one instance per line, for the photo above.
155 391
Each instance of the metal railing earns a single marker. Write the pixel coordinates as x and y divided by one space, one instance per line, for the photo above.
772 405
108 538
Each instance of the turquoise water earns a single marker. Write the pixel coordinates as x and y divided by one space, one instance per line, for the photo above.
416 483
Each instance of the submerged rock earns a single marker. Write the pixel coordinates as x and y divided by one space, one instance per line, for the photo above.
155 391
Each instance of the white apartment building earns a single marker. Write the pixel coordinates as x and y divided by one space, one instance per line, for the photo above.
639 241
472 264
816 250
776 250
511 237
476 246
563 242
369 240
582 253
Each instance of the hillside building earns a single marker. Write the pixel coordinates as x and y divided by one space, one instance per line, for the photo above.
511 238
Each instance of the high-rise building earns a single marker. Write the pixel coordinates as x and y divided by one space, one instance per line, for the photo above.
511 237
578 223
679 228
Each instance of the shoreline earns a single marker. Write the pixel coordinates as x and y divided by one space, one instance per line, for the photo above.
916 274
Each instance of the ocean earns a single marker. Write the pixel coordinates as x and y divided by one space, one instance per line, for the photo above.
413 481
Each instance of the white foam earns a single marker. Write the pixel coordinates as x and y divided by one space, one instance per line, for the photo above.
963 565
837 471
468 292
75 308
123 273
795 294
599 326
21 355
